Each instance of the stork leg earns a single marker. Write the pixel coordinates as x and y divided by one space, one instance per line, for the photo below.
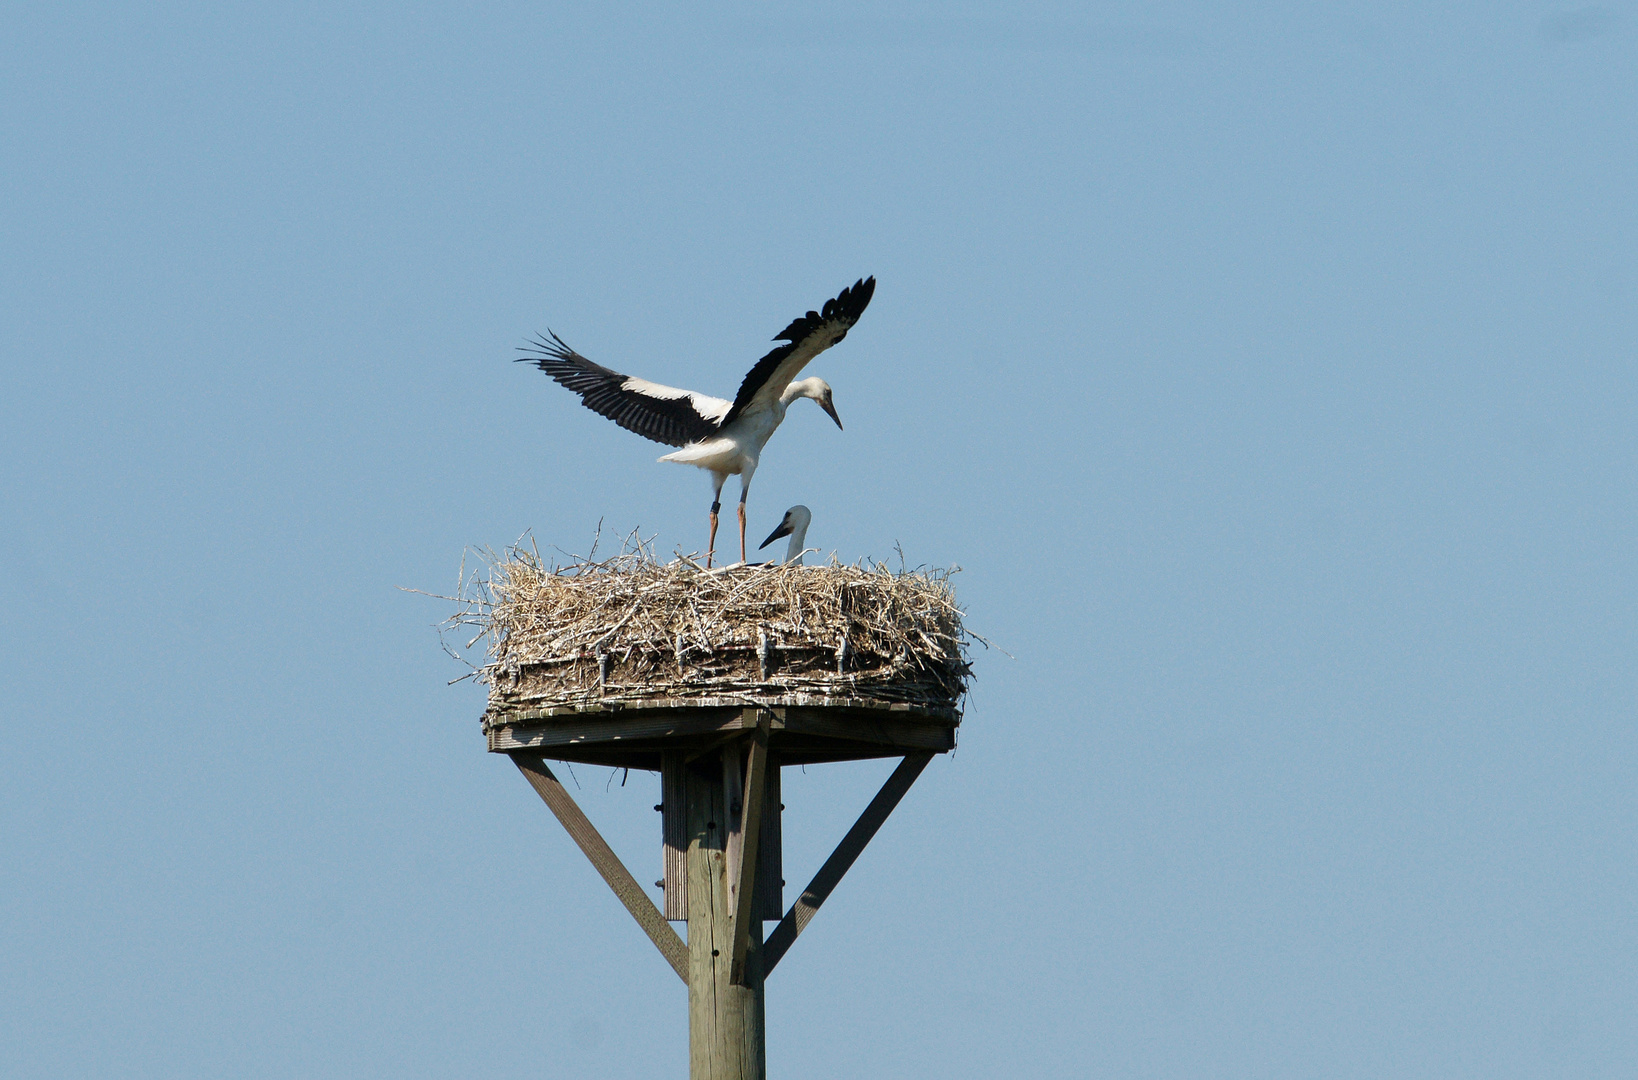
717 480
711 548
744 486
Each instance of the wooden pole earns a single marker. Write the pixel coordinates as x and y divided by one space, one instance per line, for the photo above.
726 1025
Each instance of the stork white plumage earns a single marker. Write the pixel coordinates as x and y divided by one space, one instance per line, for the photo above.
724 438
795 526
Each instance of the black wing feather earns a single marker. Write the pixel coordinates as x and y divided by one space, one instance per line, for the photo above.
672 421
838 316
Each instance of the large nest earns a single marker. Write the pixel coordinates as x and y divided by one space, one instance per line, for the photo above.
630 629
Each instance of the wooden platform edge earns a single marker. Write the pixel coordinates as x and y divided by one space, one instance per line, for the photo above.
611 706
859 723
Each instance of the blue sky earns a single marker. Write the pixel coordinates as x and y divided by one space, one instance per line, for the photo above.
1269 371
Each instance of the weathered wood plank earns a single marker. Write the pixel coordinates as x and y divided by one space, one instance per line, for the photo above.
674 835
523 712
705 851
825 881
902 731
785 748
602 857
507 738
848 735
743 867
770 860
726 1022
730 762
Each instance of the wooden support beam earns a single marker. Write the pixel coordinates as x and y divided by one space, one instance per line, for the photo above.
743 876
726 1021
606 862
770 866
807 905
674 788
674 833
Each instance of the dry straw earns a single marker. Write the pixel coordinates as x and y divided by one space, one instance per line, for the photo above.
630 628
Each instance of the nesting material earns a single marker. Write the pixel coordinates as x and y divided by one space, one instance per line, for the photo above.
630 629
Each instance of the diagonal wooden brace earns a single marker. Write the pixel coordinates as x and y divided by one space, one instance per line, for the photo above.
743 876
604 860
825 881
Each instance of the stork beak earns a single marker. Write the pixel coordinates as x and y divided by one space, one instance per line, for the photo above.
783 530
830 408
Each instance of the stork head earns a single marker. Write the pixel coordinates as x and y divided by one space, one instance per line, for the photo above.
819 390
797 519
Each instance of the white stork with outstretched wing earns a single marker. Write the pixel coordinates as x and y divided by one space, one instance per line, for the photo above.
724 438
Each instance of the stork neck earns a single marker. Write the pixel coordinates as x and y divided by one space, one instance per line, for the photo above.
801 388
799 541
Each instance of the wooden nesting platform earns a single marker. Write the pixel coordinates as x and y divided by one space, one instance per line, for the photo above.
622 662
803 728
716 679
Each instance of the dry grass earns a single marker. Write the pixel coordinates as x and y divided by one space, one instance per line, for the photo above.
632 628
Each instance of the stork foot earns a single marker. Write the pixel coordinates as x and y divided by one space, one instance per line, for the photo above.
711 548
742 532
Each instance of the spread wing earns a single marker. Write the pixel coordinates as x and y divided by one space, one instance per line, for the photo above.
807 336
662 413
